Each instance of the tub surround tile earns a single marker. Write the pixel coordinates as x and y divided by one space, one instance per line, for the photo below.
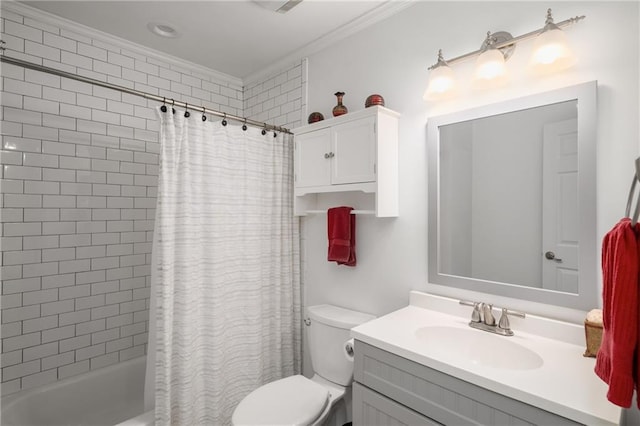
73 369
58 360
90 352
11 358
11 386
39 324
133 352
104 360
11 301
39 379
11 329
19 342
40 351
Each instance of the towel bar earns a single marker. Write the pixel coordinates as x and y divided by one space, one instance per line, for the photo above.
352 212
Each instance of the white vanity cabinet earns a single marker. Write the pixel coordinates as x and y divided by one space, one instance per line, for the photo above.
351 155
389 389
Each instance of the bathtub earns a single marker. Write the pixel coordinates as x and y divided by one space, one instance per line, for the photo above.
105 397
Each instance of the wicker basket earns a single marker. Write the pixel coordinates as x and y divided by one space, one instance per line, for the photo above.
593 335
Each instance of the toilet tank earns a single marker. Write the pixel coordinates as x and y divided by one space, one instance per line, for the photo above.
329 329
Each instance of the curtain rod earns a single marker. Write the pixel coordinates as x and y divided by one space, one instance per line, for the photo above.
172 102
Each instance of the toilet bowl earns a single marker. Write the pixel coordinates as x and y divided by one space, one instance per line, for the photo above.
297 400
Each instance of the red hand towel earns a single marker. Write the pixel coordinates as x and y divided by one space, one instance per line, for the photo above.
616 362
341 230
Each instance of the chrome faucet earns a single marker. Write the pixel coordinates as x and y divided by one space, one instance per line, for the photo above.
487 313
482 318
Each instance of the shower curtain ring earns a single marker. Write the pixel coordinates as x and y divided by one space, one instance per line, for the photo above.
264 130
173 103
224 119
204 117
244 126
163 108
186 110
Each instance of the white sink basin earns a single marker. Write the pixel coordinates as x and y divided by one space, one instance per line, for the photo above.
478 347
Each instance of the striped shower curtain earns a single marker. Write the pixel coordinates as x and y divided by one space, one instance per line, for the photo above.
225 271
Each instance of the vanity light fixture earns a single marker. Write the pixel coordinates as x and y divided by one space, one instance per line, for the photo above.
551 53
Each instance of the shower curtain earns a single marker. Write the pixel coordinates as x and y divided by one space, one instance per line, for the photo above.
225 291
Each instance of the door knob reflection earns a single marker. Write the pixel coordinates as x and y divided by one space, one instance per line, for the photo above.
552 256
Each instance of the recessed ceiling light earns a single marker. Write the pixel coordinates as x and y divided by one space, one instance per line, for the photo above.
163 29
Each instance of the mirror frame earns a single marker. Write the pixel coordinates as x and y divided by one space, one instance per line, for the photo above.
587 297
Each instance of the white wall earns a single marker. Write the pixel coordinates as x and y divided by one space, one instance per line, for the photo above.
391 58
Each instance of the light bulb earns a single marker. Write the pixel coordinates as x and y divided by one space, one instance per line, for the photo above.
490 69
441 84
551 52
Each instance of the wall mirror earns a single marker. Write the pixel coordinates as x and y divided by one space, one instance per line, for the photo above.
512 198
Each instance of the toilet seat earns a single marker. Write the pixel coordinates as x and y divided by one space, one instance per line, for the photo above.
294 400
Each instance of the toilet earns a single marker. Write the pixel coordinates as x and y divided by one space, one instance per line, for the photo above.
326 397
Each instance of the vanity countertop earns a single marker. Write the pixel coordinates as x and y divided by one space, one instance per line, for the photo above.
565 383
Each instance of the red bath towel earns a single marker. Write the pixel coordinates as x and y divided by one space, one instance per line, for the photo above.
617 359
341 230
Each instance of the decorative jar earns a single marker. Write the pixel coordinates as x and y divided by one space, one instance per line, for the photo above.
339 109
374 99
315 117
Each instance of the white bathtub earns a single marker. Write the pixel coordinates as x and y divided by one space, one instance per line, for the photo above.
103 397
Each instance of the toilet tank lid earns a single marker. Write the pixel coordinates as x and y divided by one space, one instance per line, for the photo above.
337 317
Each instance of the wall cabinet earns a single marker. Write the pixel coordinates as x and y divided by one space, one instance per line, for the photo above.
389 389
353 154
341 154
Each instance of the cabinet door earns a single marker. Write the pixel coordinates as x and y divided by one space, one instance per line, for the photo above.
354 148
372 409
313 162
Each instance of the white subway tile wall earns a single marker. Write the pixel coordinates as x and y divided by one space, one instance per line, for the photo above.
278 98
78 188
79 184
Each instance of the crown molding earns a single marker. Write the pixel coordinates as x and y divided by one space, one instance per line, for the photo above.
83 30
385 10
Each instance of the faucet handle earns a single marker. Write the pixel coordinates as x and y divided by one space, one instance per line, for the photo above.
476 315
504 318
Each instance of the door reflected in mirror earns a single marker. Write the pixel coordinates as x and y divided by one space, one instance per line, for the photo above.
508 203
512 190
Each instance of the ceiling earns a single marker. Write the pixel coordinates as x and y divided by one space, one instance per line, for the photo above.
239 38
